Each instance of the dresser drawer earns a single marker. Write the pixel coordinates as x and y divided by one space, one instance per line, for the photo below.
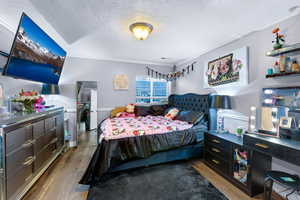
18 159
49 137
258 145
16 138
20 178
217 162
218 142
39 144
50 124
215 150
40 159
38 129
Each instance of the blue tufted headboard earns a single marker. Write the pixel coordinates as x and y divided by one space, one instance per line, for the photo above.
190 101
195 102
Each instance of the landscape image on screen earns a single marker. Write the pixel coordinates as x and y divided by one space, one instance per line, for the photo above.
34 55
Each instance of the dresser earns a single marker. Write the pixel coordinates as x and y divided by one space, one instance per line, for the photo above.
226 154
29 144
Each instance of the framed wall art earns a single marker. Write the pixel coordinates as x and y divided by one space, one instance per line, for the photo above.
121 82
228 70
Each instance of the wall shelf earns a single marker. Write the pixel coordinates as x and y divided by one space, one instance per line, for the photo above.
291 50
283 74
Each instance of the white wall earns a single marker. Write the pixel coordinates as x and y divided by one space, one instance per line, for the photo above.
244 97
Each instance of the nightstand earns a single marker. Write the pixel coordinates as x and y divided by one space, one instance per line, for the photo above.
226 154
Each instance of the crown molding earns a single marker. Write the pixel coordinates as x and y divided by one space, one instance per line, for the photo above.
126 61
6 25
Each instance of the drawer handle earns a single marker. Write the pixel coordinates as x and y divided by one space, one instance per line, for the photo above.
28 161
215 150
28 143
216 141
54 141
215 161
264 146
52 129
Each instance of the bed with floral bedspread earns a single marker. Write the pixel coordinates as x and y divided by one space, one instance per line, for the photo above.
125 140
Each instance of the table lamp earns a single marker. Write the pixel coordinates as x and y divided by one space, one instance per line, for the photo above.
218 102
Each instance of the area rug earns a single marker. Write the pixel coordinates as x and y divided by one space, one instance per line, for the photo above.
174 181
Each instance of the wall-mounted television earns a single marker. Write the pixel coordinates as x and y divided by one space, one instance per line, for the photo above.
34 55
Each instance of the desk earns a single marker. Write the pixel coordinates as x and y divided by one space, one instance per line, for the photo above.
247 173
283 149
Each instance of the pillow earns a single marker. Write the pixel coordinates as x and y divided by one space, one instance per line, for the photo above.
130 108
192 117
158 109
168 109
117 110
142 110
172 113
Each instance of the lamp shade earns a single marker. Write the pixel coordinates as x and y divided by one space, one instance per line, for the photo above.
49 89
220 102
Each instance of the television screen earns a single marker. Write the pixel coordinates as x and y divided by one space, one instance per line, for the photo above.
34 55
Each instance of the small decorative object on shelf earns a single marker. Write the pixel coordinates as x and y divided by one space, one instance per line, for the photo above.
295 66
282 63
270 71
276 67
279 39
31 100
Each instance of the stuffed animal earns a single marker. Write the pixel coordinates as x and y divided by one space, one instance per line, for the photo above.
128 112
130 108
116 111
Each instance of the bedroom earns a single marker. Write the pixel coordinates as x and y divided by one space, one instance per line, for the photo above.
255 88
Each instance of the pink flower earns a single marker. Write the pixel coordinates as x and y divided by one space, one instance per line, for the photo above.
236 65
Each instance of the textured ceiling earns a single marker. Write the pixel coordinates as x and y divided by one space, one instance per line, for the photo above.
183 29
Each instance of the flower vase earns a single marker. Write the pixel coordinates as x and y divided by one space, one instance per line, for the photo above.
277 46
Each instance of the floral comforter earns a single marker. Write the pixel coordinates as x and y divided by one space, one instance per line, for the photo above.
117 128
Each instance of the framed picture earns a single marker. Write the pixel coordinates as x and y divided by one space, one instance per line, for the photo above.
121 82
220 71
285 122
227 71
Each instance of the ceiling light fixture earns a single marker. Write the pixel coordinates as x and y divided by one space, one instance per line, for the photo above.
141 30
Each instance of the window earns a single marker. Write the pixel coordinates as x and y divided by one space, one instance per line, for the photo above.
150 90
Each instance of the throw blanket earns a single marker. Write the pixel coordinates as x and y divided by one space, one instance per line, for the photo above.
126 139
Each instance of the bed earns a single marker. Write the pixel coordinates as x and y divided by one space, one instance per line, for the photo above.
123 153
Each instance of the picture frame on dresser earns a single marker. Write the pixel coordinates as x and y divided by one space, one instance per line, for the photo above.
285 122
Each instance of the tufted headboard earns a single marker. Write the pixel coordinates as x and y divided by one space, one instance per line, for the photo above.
190 101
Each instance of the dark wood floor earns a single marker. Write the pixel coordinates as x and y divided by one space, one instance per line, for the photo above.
60 181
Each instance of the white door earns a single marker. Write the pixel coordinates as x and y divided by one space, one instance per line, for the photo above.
94 107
